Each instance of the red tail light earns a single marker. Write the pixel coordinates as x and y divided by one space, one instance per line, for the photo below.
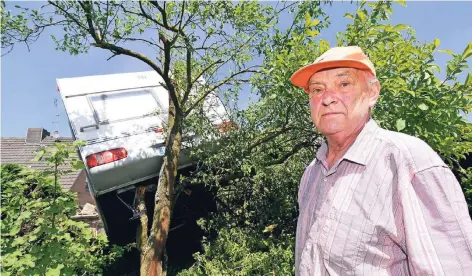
159 130
226 126
106 157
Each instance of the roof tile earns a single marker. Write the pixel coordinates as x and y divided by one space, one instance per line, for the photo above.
16 150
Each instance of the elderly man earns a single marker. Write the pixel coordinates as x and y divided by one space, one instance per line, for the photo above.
373 202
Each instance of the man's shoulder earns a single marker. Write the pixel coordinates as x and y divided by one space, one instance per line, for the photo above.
312 164
308 170
414 150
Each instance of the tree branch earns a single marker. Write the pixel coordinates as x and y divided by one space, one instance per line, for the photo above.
142 231
114 55
53 3
189 74
187 93
287 155
91 29
143 40
189 54
247 70
206 69
107 23
11 49
269 137
127 52
165 42
164 15
98 25
181 17
225 178
144 14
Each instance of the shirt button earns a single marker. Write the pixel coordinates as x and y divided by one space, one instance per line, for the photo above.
325 179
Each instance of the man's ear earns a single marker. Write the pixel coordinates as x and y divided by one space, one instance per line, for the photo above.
374 92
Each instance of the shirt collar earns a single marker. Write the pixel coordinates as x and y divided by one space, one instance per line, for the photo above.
359 151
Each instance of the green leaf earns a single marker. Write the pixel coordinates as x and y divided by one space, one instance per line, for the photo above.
361 15
18 241
78 165
436 43
55 271
32 238
468 79
468 51
401 2
314 23
26 214
324 45
435 67
349 15
269 228
400 27
14 230
401 124
39 155
307 18
411 92
27 260
312 33
446 51
432 102
423 107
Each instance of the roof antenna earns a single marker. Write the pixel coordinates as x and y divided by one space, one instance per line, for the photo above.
56 132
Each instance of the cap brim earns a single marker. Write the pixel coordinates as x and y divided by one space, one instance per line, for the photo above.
301 76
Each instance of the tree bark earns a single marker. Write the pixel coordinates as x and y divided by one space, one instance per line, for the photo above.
142 231
153 249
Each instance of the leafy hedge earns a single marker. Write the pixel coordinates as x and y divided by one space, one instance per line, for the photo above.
38 237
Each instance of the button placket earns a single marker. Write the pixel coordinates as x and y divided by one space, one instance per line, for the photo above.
321 190
324 209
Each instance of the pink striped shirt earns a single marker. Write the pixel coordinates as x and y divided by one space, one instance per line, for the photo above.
390 206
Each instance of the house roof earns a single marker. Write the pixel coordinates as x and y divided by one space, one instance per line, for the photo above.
21 150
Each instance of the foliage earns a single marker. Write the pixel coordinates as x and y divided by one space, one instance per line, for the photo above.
38 235
12 27
238 251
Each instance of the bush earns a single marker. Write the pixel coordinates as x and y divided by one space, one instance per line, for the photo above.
37 235
238 252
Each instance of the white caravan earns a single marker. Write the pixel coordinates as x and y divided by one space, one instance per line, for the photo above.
121 118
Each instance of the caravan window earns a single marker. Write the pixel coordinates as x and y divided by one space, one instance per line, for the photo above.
118 106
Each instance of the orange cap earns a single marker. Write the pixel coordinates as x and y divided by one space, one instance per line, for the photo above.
350 56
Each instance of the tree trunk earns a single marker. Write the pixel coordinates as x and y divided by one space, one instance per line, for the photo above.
153 248
142 231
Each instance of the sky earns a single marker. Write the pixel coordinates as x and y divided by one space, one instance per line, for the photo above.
28 78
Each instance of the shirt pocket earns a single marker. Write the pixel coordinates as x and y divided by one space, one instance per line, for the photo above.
351 236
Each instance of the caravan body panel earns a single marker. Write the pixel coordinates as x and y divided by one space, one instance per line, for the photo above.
123 111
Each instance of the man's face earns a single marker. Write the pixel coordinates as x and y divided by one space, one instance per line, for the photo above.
340 99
